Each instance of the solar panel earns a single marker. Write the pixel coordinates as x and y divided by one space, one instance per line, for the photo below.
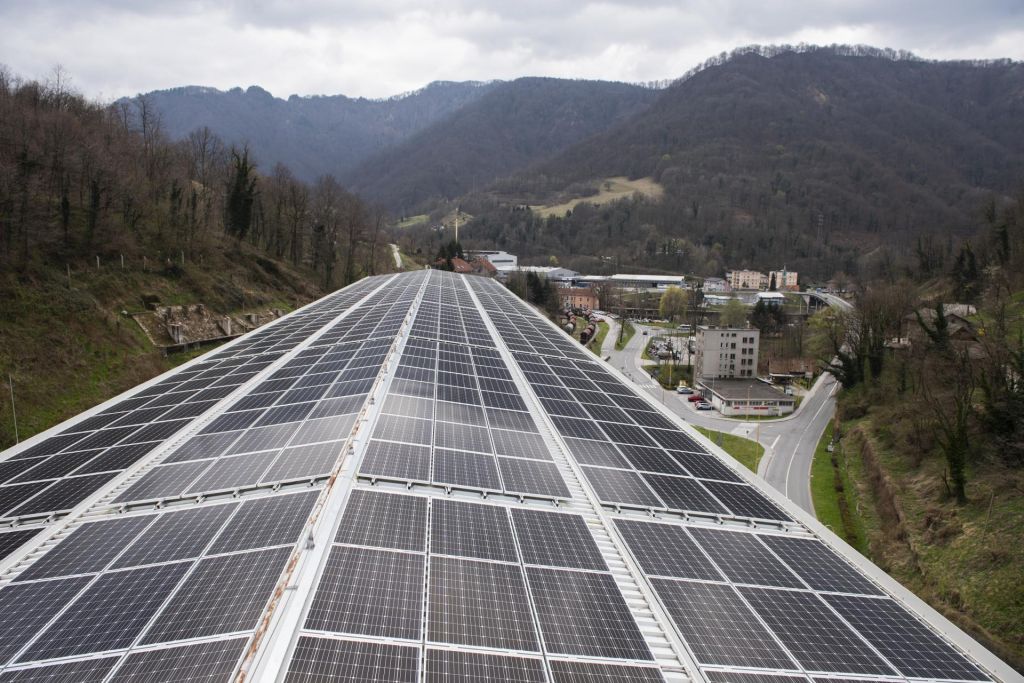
86 671
582 613
222 595
479 603
818 566
666 550
384 520
680 493
911 647
532 477
718 627
452 666
556 539
175 536
274 520
583 672
743 559
322 660
28 607
471 530
810 630
12 540
370 592
89 548
110 613
201 663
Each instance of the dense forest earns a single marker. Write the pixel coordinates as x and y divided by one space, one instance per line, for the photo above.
313 136
512 126
825 160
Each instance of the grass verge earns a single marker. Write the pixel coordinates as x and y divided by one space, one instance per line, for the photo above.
598 341
747 452
627 333
829 487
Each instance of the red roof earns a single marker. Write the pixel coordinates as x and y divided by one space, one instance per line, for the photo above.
461 266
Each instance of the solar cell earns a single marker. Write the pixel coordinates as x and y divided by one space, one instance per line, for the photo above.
912 648
200 663
704 466
369 592
584 614
810 630
323 429
86 671
87 549
406 429
322 660
14 495
109 614
274 520
718 627
222 595
452 666
520 445
589 452
27 607
556 539
202 447
650 460
479 603
56 466
743 559
666 550
117 458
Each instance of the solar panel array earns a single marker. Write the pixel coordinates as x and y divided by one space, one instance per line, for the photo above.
56 473
452 415
502 507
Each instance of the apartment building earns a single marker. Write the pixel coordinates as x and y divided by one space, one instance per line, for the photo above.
747 279
725 352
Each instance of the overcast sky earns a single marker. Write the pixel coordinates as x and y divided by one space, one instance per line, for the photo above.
375 48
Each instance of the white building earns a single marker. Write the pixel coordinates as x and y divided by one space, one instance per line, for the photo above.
725 352
746 397
647 281
498 259
547 272
772 299
716 284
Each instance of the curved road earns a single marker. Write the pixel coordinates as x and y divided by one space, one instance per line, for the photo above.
789 441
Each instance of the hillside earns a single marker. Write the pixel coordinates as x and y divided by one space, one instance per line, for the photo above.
311 135
97 210
508 128
807 158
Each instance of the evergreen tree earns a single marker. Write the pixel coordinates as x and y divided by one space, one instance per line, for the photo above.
241 195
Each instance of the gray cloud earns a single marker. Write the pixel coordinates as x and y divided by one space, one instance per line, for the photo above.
365 47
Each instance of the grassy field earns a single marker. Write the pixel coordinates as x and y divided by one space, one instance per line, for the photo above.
627 333
747 452
611 190
412 220
829 486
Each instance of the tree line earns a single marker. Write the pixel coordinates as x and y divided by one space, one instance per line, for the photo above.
79 179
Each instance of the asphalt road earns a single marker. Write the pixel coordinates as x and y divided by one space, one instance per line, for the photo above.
789 442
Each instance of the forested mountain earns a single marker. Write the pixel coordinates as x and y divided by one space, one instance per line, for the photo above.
512 126
311 135
812 158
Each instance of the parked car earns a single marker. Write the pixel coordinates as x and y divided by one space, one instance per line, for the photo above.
703 405
694 398
684 390
643 332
